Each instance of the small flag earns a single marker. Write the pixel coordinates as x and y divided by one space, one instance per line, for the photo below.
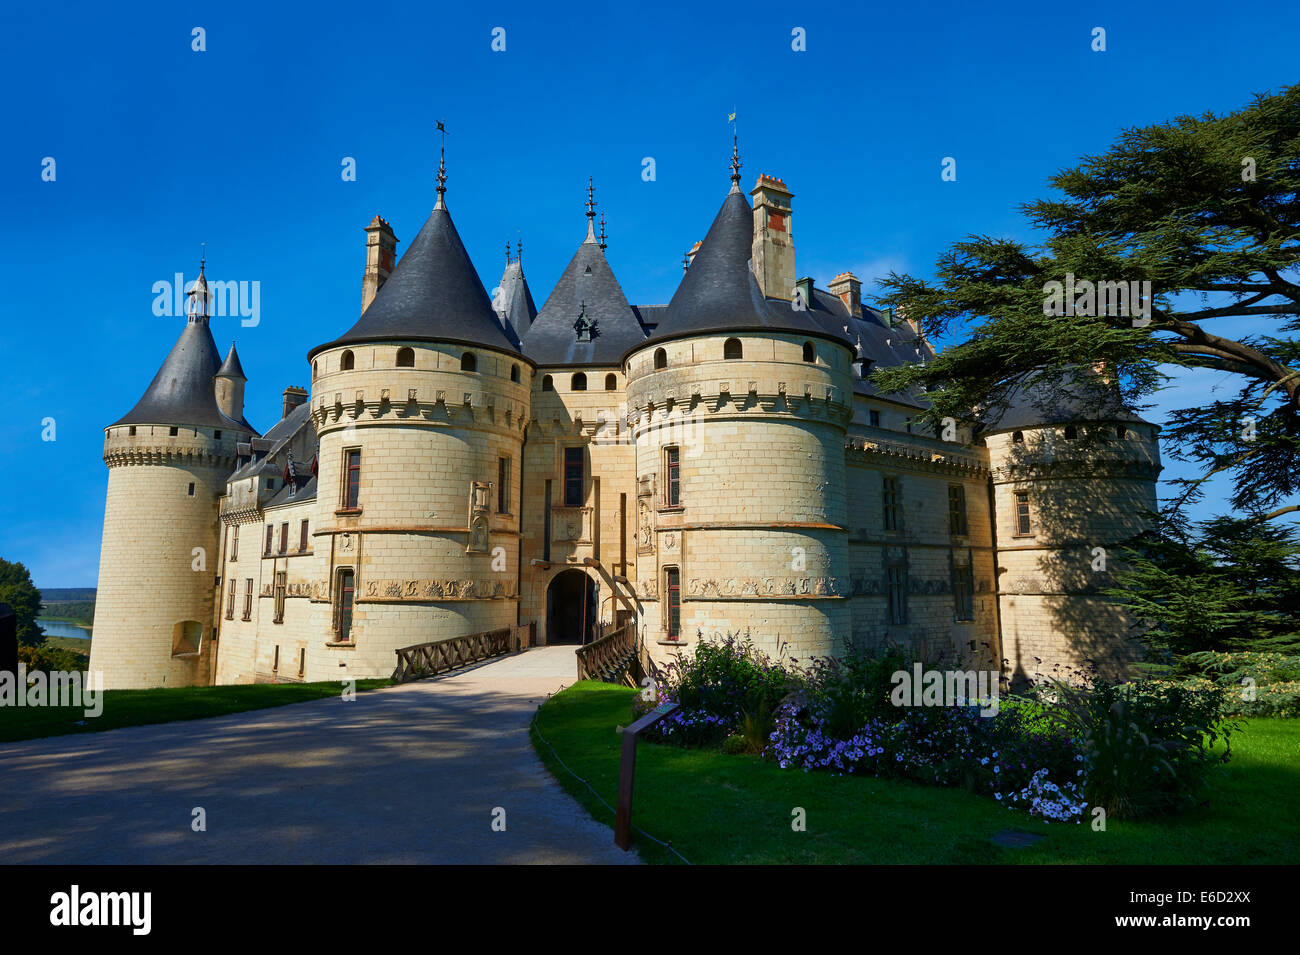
731 117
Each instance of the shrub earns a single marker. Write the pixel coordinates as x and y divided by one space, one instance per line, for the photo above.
50 658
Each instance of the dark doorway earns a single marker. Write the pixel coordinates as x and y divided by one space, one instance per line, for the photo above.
570 608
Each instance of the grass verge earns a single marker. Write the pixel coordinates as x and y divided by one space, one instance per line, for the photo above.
142 707
719 809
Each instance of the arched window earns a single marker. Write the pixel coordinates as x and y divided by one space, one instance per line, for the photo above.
314 370
514 373
809 353
347 361
468 362
731 349
1018 437
611 382
1121 432
661 358
578 382
547 384
1071 432
406 358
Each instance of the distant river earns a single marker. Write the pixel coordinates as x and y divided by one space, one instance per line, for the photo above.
62 628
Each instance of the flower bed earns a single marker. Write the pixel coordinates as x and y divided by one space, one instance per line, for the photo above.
1135 749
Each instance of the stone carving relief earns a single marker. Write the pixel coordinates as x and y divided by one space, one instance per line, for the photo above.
764 587
424 589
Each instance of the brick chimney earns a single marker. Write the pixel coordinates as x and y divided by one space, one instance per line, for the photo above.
849 289
381 258
773 241
293 397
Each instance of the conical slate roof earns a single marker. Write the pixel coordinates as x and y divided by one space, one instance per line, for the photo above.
231 368
515 306
183 392
588 289
434 294
719 293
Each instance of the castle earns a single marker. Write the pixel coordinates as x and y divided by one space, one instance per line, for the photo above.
721 463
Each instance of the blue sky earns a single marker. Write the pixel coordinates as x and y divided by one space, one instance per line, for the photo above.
159 148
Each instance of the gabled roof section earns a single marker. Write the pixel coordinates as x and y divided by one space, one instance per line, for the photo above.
1034 403
589 289
434 294
183 392
719 293
270 447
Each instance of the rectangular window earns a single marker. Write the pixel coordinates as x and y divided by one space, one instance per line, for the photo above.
248 598
963 592
343 606
302 662
191 489
673 485
573 477
284 538
230 600
673 591
503 485
172 432
897 594
234 542
270 537
281 587
875 419
957 510
893 504
275 660
302 537
1023 526
352 479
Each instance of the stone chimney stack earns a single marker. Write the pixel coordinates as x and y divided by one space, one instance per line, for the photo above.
849 289
293 397
381 258
773 240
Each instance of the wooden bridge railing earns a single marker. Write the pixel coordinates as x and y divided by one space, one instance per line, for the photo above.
428 659
616 648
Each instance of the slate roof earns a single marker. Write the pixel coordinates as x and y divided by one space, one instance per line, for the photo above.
1034 404
183 391
272 442
434 294
287 494
649 316
231 368
719 293
517 308
587 287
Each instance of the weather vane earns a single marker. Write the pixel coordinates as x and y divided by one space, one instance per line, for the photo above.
442 162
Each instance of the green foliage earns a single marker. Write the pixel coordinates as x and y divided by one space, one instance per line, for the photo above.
1147 745
1275 690
50 658
728 678
1236 586
735 744
1170 204
853 689
18 591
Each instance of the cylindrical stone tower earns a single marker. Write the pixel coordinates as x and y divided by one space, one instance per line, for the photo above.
1074 476
738 406
168 461
420 409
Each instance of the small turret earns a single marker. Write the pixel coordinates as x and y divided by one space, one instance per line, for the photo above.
230 380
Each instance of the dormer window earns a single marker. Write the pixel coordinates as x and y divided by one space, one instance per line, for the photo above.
584 326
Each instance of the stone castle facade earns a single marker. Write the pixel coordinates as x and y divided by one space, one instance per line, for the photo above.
463 463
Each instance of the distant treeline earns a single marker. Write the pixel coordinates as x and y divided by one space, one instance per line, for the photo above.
67 594
79 611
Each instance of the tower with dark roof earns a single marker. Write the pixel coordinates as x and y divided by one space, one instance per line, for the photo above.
168 459
737 406
420 409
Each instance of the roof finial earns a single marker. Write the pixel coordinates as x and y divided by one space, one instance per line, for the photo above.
203 256
602 230
520 256
442 166
591 203
507 251
686 261
735 154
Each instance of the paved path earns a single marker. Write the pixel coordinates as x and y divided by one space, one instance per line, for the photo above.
407 774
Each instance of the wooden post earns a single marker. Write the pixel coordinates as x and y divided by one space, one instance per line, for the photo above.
627 770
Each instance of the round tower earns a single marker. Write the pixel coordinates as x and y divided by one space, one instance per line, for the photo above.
738 407
1074 476
168 461
420 410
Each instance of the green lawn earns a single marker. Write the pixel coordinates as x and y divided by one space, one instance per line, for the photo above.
738 809
141 707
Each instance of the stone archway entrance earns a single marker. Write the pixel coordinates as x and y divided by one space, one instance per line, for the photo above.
570 608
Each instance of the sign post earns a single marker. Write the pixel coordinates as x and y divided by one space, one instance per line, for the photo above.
627 769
